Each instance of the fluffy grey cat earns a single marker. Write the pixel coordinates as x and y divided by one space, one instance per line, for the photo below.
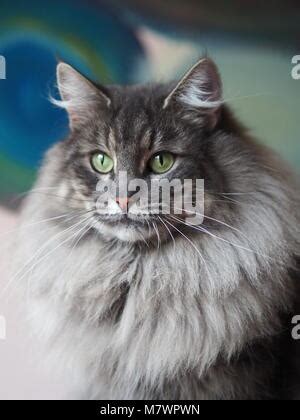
137 306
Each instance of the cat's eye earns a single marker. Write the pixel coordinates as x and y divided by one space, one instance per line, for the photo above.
162 162
102 163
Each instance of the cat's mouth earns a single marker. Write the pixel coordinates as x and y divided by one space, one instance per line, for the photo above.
125 220
126 227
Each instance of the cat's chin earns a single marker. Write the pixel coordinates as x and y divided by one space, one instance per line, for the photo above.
124 233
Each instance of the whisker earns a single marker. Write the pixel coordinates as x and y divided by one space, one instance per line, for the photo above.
53 250
192 244
23 194
39 251
157 234
66 216
67 198
143 239
71 238
202 229
78 236
235 193
228 226
168 230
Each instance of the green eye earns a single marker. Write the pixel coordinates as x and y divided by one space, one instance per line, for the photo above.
162 162
102 163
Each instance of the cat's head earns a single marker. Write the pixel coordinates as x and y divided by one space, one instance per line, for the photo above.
149 132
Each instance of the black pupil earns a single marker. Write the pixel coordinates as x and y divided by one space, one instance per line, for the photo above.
161 160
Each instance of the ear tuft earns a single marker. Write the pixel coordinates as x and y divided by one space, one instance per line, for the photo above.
200 89
79 95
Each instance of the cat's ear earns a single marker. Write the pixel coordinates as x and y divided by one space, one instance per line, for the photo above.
80 97
199 91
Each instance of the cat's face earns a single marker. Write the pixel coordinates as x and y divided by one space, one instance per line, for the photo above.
133 137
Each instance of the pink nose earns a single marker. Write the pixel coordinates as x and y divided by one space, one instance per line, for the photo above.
123 202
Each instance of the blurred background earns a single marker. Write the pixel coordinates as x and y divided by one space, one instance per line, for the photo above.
132 41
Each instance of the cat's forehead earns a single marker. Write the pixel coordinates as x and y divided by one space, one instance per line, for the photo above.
137 116
137 123
139 102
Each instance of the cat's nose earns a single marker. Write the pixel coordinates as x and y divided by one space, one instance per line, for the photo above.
123 202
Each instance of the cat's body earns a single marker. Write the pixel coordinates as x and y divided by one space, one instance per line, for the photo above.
204 316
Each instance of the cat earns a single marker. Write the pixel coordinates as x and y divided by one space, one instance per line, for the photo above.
152 307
